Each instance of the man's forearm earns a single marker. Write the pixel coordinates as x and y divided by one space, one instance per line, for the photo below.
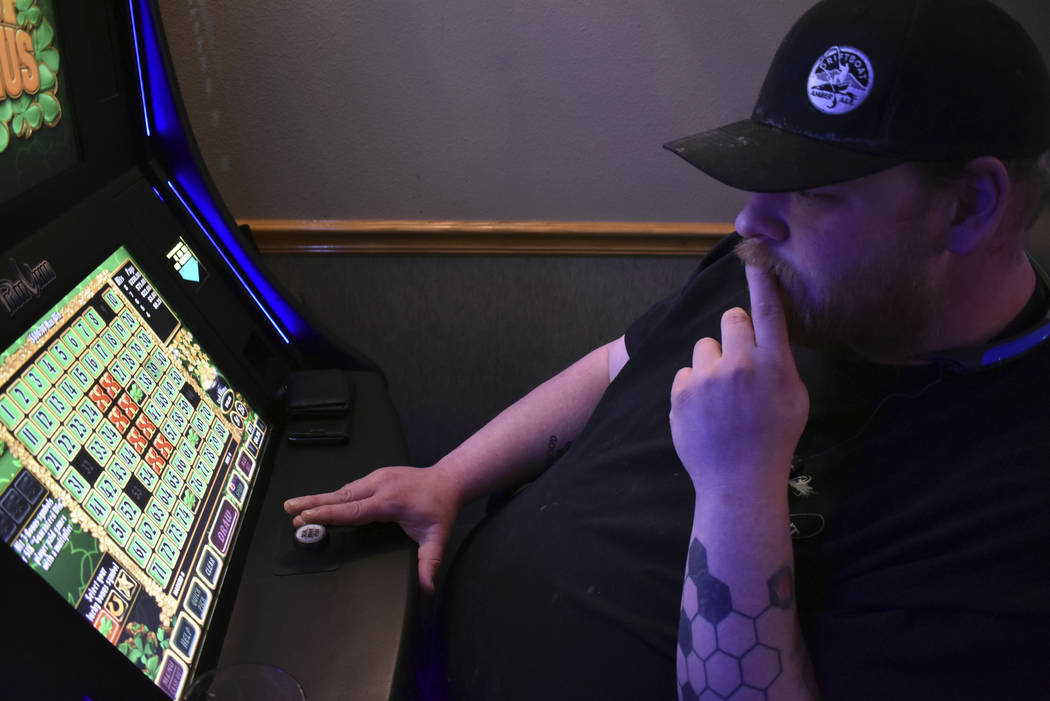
514 447
738 626
736 416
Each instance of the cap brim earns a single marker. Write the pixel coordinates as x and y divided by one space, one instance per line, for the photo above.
752 156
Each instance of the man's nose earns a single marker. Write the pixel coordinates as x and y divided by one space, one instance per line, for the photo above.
763 217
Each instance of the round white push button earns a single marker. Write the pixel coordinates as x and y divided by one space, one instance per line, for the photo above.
312 536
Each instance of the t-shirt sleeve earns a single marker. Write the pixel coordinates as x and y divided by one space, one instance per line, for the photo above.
640 330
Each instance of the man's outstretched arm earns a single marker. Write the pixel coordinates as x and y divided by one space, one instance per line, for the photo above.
511 449
736 417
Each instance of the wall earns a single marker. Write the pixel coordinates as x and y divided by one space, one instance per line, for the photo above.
472 109
461 337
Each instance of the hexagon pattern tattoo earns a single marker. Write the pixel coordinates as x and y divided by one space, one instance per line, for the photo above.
721 650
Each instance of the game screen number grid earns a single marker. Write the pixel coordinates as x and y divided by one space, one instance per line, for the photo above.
126 460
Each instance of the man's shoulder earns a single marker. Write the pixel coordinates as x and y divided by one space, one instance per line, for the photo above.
693 311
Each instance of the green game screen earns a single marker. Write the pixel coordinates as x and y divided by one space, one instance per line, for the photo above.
37 137
126 460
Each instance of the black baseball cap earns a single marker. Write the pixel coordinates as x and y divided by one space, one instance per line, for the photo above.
859 86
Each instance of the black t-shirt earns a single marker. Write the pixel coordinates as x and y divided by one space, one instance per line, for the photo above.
920 509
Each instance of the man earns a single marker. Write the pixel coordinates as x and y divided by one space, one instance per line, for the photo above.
862 512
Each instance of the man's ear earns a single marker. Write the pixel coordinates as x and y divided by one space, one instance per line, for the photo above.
980 204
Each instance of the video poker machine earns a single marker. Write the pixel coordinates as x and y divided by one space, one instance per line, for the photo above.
146 364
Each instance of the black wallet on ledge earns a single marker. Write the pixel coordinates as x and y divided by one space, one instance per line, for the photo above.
319 392
318 406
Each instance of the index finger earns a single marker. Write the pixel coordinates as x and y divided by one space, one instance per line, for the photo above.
767 311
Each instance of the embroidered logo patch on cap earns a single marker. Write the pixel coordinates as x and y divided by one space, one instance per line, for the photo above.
840 80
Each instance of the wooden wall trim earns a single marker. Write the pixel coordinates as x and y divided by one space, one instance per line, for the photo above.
398 236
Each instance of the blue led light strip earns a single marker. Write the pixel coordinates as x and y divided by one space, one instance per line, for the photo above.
138 63
1016 346
160 102
207 233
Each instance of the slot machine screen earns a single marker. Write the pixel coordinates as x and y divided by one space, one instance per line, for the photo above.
126 463
143 348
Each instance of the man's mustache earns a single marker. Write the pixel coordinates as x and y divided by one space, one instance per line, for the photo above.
755 253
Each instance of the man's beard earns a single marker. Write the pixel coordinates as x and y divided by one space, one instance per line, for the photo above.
881 314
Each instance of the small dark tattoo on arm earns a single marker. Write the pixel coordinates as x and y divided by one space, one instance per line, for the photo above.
782 588
722 650
554 452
